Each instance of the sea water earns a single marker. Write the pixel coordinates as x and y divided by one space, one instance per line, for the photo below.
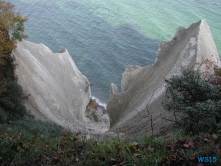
104 36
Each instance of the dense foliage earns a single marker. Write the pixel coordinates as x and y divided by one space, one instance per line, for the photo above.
11 27
11 106
11 31
194 101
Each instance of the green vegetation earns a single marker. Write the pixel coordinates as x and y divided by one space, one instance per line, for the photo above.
11 106
195 102
25 148
11 30
29 126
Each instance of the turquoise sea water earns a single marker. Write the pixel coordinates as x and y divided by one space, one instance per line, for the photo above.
104 36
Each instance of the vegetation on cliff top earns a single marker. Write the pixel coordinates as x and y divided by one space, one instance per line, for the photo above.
195 100
11 30
24 148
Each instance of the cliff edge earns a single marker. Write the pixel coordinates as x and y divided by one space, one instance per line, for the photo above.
58 91
143 88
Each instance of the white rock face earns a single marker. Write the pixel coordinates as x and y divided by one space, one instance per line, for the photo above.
129 76
59 92
143 89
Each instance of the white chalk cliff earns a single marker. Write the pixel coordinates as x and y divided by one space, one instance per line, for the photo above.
58 90
60 93
143 88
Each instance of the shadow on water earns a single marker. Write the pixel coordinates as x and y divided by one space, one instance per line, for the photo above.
100 51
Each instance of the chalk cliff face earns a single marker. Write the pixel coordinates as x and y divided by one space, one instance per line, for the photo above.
143 88
58 91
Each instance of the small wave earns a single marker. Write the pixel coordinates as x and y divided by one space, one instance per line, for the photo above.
99 102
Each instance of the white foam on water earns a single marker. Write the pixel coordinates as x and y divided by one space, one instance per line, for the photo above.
99 102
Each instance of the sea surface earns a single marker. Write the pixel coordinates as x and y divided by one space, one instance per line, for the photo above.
104 36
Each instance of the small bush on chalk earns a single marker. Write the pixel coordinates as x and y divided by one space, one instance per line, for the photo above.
194 101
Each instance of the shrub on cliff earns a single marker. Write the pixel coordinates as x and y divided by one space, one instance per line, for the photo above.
11 30
11 106
31 126
194 101
11 27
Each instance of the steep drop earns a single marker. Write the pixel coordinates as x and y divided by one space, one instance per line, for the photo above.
138 109
58 90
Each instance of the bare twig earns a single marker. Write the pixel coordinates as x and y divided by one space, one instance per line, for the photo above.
148 112
151 121
153 94
167 119
147 104
140 115
202 62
